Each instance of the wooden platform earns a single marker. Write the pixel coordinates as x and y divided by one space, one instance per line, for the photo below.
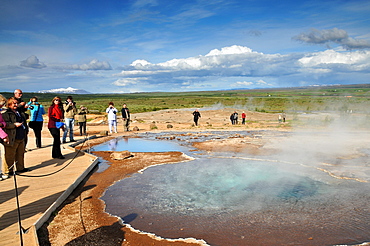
39 196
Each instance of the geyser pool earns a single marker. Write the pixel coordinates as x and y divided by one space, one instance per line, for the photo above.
138 145
229 201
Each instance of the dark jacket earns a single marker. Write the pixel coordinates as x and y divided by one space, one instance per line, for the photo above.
125 113
10 118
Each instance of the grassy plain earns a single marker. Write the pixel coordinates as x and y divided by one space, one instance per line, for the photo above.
339 98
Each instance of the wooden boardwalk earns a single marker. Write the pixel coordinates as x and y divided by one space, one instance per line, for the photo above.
39 196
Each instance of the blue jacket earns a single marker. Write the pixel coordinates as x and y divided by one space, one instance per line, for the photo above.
37 110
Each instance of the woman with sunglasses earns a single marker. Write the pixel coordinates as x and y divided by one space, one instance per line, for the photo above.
16 130
55 114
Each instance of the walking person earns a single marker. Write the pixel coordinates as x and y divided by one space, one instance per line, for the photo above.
70 111
55 114
196 115
112 117
36 119
16 129
125 117
81 118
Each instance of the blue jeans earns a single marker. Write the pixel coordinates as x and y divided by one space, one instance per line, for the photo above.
70 123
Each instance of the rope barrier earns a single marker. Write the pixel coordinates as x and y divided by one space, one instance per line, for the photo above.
57 171
15 173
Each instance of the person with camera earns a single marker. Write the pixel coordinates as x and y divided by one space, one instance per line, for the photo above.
36 119
112 117
70 111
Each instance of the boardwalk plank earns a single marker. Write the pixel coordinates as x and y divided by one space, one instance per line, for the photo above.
37 194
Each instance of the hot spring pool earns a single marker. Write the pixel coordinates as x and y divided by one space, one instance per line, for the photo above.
139 145
240 201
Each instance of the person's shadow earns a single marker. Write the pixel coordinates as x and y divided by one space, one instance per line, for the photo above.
10 194
105 235
11 217
129 218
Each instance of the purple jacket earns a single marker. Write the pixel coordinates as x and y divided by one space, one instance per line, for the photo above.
2 133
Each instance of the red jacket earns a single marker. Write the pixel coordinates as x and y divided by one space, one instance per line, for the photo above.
55 114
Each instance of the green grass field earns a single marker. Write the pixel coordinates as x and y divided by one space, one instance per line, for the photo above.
308 99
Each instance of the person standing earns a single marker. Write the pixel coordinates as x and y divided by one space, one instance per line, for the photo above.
16 129
70 111
81 118
55 114
22 108
196 115
243 117
112 117
3 136
36 119
234 118
125 117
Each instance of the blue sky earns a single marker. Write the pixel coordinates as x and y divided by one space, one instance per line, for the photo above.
169 45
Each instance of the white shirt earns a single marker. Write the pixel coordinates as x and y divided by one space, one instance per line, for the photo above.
112 113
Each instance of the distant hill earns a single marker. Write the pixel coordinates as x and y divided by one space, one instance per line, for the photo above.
68 90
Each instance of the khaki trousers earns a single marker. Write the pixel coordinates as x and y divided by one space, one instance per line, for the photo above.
12 154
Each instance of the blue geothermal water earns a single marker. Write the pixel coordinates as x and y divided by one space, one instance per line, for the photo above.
138 145
235 201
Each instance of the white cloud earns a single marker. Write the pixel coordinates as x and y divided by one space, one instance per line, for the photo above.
232 50
234 63
32 62
331 60
244 83
228 67
262 82
228 61
92 65
126 81
259 82
139 63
